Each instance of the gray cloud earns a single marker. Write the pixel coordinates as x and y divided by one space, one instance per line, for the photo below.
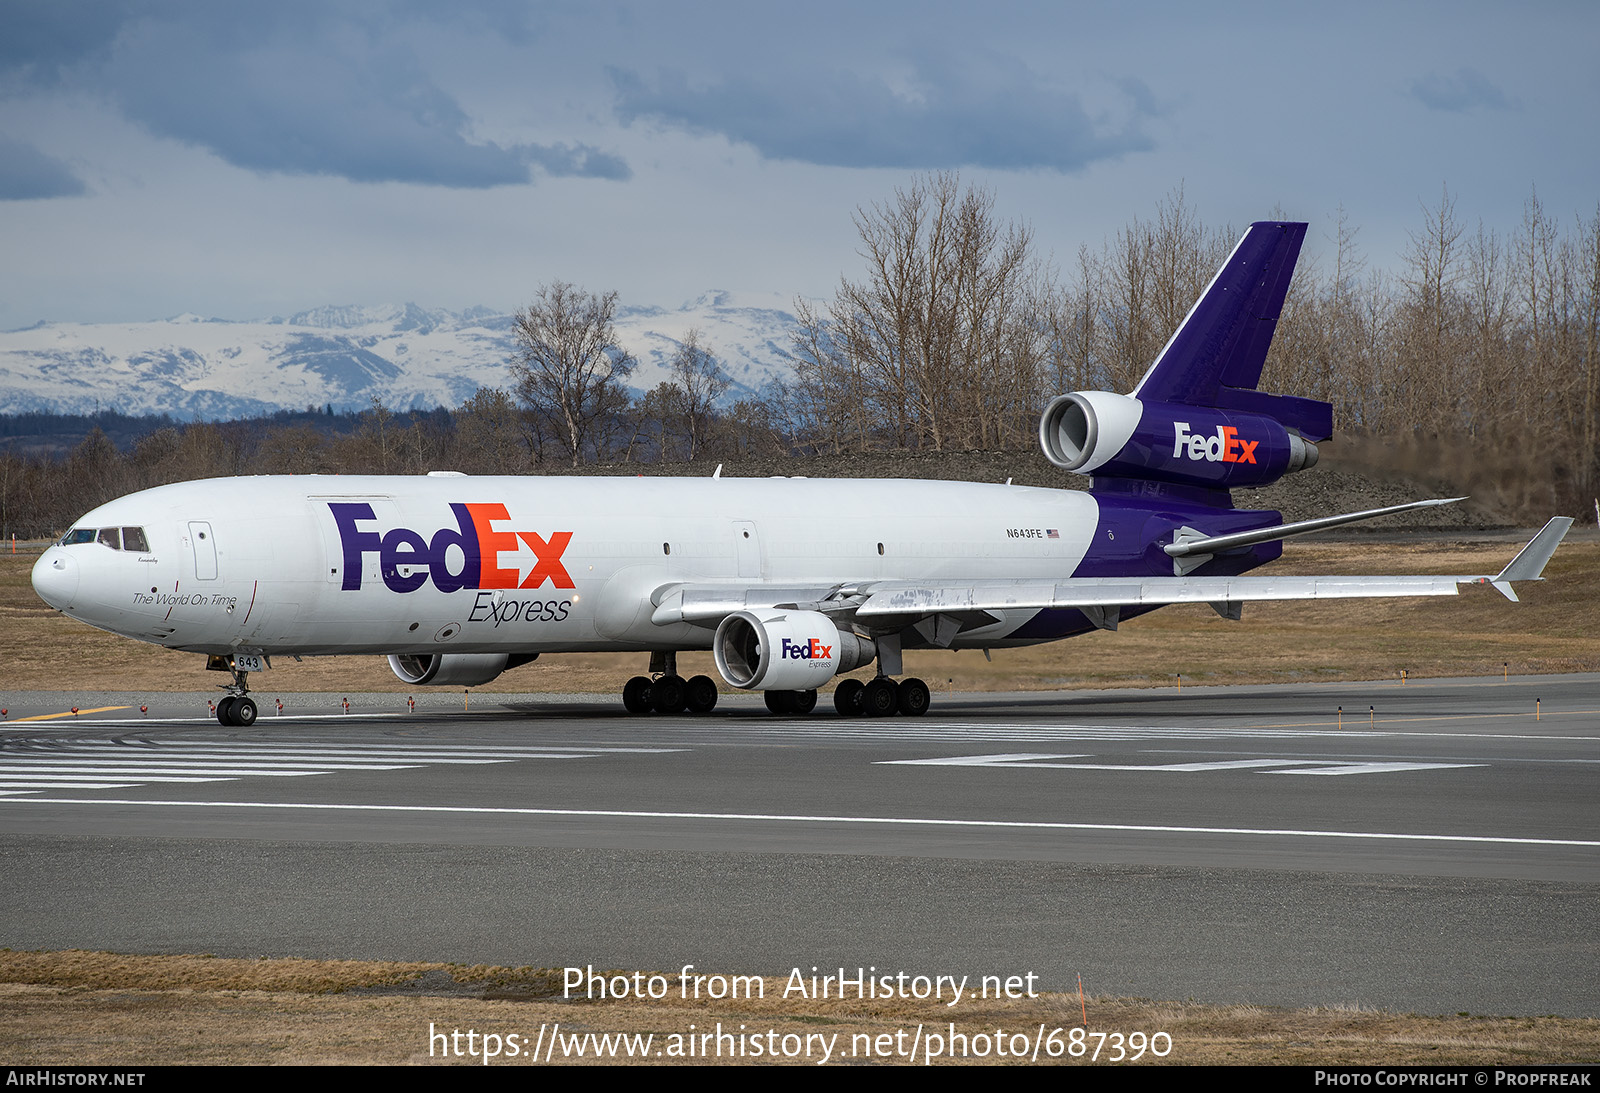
44 36
290 88
578 159
997 114
27 173
1465 89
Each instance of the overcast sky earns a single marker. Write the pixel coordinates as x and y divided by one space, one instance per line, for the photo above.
245 160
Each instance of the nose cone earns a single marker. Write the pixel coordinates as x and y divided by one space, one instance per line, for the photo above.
55 578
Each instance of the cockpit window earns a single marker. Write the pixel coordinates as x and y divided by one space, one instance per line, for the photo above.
115 538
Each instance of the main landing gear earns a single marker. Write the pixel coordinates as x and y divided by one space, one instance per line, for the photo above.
881 697
237 708
665 691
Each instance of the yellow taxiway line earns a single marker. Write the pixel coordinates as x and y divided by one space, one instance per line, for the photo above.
69 713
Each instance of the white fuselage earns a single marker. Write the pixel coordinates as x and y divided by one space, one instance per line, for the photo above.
295 564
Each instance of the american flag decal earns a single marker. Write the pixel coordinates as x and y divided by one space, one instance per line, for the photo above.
1051 533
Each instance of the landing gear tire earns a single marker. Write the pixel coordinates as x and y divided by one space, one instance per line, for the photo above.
914 697
700 694
880 697
636 695
805 701
667 694
237 710
781 702
847 698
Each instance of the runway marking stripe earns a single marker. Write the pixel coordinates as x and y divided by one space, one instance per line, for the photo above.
228 750
137 770
1065 733
142 777
762 817
1286 729
1030 761
65 784
73 764
12 777
1375 768
133 760
315 754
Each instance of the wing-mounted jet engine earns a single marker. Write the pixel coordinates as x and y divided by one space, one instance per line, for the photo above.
458 669
776 649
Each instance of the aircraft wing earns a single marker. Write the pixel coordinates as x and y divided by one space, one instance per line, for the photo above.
884 601
1091 592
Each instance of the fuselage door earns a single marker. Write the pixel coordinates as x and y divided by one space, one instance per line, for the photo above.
747 547
204 547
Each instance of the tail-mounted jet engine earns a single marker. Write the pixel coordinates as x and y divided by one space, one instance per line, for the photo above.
459 669
1118 436
771 649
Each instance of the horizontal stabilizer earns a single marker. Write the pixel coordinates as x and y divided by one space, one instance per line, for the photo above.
1191 544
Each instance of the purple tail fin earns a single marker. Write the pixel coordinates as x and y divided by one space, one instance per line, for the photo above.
1216 355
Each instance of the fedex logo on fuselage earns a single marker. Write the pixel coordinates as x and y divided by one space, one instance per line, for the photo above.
1223 446
478 551
804 650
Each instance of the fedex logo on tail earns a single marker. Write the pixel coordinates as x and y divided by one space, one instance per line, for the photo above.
1223 446
478 551
805 650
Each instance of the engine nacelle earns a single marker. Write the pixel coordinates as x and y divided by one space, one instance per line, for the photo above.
1118 436
771 649
459 669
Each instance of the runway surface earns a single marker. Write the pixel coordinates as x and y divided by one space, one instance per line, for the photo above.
1434 847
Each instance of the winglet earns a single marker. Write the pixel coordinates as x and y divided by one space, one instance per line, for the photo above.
1530 561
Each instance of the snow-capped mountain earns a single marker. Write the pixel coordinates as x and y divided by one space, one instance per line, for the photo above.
409 356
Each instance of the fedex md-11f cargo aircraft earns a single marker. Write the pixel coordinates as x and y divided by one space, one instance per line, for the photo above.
790 582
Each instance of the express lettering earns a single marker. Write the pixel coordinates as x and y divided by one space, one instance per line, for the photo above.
1223 446
805 650
486 608
407 560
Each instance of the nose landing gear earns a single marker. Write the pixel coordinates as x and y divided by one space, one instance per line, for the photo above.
237 709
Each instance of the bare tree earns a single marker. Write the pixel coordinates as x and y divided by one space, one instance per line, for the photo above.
826 407
938 342
1431 319
569 369
1587 261
490 437
701 382
374 445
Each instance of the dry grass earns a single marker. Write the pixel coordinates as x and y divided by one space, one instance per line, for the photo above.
1556 629
101 1009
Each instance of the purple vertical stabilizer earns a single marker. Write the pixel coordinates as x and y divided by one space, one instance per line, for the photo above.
1215 357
